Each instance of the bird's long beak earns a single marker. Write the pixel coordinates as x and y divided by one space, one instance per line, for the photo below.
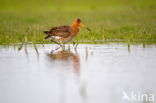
82 25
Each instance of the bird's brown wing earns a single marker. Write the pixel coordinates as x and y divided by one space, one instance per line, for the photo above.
61 31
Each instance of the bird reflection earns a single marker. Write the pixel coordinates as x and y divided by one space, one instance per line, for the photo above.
66 56
69 59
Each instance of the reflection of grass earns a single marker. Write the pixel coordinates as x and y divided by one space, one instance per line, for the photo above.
128 20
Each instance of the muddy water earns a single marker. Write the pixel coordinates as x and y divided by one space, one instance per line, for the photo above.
91 74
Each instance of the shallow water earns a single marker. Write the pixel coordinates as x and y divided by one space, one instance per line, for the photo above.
92 74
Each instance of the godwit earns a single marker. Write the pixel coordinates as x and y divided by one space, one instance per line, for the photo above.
63 34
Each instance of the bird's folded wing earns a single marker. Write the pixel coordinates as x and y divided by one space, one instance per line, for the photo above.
61 31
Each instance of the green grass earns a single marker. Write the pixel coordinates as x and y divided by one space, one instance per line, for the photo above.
110 20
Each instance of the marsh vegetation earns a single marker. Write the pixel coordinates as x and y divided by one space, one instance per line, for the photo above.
110 21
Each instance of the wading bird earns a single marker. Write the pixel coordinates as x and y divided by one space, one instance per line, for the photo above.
63 34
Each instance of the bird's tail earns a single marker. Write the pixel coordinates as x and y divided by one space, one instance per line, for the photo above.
47 37
46 32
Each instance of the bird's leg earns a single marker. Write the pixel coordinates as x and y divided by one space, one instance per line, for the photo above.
58 47
55 49
63 46
57 43
74 43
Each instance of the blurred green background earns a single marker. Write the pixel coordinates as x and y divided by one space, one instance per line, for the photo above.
123 20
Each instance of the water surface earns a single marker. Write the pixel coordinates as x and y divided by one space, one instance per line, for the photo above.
91 74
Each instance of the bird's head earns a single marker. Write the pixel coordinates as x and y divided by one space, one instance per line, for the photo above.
77 22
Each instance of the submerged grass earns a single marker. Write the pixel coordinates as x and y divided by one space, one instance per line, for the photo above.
110 21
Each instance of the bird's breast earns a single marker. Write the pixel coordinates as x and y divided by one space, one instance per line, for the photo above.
75 32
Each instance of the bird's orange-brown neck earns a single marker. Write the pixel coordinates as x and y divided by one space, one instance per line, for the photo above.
75 28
